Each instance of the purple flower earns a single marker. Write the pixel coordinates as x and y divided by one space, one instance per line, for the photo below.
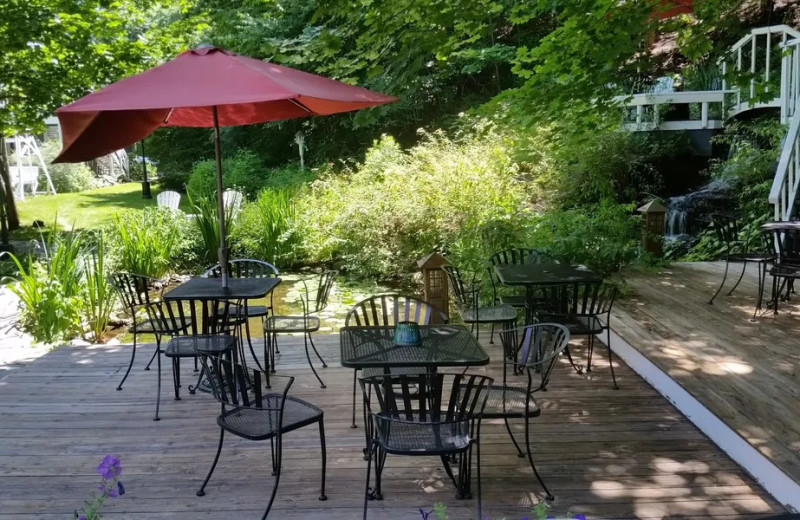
82 517
424 514
579 517
121 490
112 492
109 467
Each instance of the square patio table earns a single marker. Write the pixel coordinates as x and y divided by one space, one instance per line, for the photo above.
441 346
211 289
531 275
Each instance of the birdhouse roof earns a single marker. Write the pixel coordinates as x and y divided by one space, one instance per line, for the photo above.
654 206
432 261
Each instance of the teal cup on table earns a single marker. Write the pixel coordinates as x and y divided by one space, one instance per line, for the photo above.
406 333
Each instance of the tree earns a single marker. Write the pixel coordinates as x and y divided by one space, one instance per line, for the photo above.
55 51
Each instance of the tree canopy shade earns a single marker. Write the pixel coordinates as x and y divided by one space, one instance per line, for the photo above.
56 50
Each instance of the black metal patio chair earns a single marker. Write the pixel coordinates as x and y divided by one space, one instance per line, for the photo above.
313 301
250 411
540 347
211 332
785 239
426 415
584 308
249 268
134 293
387 310
517 256
467 299
738 248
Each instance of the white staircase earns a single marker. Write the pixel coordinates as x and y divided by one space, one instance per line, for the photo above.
787 177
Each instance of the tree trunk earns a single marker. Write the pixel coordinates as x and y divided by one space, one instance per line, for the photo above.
6 190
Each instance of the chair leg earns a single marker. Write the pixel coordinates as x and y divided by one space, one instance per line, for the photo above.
273 346
133 356
548 495
176 376
355 382
741 275
589 351
571 362
724 276
491 336
762 274
510 434
449 471
158 392
250 344
311 340
775 294
478 464
158 341
322 495
201 491
610 360
308 357
367 494
277 481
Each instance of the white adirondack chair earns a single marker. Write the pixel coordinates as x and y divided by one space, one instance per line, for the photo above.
232 200
169 199
28 175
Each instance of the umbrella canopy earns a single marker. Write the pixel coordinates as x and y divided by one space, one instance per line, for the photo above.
204 87
182 92
670 8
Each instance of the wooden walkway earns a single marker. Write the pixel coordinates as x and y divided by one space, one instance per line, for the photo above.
745 372
604 453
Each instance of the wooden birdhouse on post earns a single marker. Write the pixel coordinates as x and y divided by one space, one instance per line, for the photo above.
435 285
653 214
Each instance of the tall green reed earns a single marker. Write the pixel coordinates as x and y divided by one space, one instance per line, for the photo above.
265 229
207 224
146 240
99 295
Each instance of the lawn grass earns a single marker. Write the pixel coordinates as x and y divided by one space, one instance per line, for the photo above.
86 209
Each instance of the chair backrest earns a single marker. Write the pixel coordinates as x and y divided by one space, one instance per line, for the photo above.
236 386
133 290
426 398
387 310
316 298
232 201
517 256
179 317
466 294
244 268
589 299
168 199
539 349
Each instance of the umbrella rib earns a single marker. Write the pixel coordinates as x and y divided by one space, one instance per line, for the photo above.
301 105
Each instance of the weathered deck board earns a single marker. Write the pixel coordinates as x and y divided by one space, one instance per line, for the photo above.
745 372
605 453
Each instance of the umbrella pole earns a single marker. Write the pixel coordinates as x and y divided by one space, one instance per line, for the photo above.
223 251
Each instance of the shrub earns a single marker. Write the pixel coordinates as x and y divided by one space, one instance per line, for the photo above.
206 225
455 194
244 172
66 177
264 228
173 181
50 292
99 296
145 241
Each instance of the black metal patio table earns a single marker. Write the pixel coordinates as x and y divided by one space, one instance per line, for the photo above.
786 243
208 290
532 275
441 346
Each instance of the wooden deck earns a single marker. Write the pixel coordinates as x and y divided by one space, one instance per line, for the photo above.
605 453
744 372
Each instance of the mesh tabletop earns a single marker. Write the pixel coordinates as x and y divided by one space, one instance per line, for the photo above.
211 289
543 274
441 346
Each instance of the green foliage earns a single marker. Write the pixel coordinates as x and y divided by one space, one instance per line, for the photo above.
50 291
145 242
265 228
244 172
206 224
66 177
459 195
603 237
99 296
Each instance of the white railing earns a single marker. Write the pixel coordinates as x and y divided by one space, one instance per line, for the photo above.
787 176
648 110
759 64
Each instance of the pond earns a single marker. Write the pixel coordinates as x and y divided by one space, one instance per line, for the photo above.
286 300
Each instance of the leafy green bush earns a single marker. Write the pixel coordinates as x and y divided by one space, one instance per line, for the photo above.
264 229
146 241
50 291
454 194
99 296
175 181
244 172
603 237
205 224
66 177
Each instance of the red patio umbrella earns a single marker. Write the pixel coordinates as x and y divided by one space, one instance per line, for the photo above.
669 8
204 87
